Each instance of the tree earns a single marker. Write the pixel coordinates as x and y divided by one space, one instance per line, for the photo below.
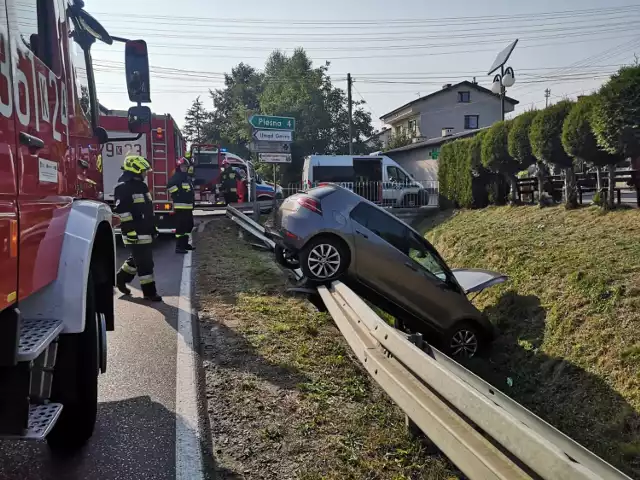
194 122
545 136
580 142
615 118
399 140
495 155
520 146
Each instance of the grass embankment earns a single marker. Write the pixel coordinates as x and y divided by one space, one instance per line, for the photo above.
285 398
569 316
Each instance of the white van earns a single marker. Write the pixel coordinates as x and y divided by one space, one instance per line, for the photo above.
376 177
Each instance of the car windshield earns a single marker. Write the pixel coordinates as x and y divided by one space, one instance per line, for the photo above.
420 253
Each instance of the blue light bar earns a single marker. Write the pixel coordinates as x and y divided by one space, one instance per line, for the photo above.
223 149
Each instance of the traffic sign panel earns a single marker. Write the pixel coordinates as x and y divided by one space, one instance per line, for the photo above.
275 157
269 147
273 136
266 122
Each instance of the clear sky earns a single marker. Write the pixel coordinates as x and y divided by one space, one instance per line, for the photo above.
395 51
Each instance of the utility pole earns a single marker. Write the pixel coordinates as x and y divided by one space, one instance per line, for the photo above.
547 94
349 99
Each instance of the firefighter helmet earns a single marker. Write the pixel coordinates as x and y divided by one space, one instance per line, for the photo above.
187 155
136 164
225 163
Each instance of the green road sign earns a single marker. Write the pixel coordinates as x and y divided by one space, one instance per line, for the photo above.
265 122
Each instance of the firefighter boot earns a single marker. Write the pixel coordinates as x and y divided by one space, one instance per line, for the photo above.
122 278
149 292
180 244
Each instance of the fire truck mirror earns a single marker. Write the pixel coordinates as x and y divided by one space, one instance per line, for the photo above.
139 119
136 61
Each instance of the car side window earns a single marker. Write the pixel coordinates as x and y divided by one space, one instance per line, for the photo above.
383 225
392 174
420 253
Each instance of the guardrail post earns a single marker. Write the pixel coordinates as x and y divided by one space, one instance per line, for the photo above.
413 429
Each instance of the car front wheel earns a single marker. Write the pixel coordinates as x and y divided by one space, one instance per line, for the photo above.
464 340
324 259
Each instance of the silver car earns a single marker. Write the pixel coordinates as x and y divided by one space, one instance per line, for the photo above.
332 233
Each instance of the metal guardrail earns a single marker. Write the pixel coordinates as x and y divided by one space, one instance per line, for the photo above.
486 434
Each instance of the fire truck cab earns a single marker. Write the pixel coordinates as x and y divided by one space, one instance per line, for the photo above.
58 255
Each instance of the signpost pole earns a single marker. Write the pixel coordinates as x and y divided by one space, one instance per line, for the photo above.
275 203
254 196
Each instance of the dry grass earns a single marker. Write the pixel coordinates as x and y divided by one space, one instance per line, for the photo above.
569 316
286 400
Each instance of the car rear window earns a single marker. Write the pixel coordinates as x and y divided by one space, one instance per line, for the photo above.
321 192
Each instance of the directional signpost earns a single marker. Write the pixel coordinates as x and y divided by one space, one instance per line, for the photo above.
275 157
269 147
265 122
272 136
271 139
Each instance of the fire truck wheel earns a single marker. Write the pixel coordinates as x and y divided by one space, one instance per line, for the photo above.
75 383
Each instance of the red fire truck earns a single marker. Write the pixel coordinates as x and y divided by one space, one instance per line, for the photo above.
162 147
58 251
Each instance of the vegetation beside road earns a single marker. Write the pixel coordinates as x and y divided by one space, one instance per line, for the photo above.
286 398
569 316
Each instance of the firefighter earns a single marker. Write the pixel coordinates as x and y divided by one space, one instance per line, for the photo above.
137 224
228 181
180 188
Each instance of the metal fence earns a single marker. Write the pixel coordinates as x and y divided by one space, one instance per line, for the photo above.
486 434
391 194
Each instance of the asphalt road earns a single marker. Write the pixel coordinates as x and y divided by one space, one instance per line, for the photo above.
135 437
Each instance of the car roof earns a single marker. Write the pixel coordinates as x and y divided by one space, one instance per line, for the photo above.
361 199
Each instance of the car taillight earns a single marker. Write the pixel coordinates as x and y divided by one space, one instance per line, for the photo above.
310 204
163 206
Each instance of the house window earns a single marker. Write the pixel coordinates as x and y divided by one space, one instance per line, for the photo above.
464 97
471 122
413 127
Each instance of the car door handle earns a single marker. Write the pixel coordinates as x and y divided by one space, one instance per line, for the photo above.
362 234
31 141
411 266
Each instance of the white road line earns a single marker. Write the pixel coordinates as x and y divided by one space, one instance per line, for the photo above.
189 436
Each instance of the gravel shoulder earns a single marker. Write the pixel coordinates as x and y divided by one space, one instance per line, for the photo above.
286 399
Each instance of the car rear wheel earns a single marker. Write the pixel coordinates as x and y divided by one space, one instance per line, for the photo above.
286 258
464 340
324 259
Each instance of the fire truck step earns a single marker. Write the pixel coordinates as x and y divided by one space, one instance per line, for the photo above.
42 418
35 336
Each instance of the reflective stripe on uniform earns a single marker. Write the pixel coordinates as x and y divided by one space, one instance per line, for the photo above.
128 268
186 187
146 279
138 198
132 233
145 239
180 235
125 217
173 189
148 195
233 189
183 206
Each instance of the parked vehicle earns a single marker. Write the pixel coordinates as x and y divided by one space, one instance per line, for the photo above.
58 255
162 147
208 161
375 177
332 233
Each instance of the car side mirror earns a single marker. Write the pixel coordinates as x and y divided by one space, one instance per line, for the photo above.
139 119
136 61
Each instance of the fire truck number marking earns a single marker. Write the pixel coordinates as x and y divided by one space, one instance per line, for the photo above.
127 148
38 92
